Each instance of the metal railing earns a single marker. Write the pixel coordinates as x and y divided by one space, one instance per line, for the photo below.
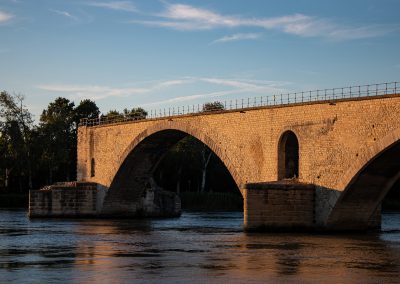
381 89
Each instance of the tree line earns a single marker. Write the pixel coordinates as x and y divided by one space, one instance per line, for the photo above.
36 154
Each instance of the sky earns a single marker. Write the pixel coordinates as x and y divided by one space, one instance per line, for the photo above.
163 53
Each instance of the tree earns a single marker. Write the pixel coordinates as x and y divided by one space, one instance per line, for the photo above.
135 113
58 134
213 106
113 112
86 109
15 131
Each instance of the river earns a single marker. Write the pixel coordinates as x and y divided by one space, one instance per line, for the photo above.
197 247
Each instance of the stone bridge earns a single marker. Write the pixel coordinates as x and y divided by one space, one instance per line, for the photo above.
322 164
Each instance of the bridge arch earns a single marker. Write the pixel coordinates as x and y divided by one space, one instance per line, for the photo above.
375 170
141 157
288 156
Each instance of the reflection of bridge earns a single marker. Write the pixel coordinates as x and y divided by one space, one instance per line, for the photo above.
320 159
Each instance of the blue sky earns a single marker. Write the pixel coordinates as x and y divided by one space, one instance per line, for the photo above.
160 53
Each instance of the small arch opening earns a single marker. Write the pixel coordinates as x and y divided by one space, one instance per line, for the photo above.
92 168
288 156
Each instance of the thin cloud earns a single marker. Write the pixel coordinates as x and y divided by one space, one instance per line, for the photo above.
5 17
96 92
115 5
233 86
189 18
65 14
182 99
92 91
237 37
246 87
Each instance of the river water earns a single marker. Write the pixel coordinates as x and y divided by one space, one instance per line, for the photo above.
197 247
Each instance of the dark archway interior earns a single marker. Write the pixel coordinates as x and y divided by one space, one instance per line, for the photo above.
391 202
193 170
171 159
365 193
288 165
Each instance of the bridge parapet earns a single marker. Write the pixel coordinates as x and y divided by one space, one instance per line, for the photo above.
297 98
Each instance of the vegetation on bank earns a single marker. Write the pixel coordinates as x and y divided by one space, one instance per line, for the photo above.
33 155
14 200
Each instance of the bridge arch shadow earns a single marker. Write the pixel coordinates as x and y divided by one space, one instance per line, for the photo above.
375 171
141 158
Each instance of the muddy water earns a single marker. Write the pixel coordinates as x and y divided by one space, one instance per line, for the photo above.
197 247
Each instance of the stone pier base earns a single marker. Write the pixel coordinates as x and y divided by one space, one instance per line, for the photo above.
279 206
86 199
68 199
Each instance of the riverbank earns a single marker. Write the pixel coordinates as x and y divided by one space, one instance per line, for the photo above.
14 200
211 201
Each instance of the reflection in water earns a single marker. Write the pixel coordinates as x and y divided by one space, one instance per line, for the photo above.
200 247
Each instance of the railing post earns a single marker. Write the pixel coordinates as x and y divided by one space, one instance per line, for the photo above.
376 89
386 88
359 91
302 97
395 87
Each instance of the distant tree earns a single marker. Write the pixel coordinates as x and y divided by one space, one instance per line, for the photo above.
112 113
86 109
189 157
213 106
135 113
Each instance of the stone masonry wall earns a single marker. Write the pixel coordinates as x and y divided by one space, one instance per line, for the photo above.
279 206
64 201
331 137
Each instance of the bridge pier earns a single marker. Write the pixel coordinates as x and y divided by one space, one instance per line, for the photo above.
279 206
292 206
88 199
